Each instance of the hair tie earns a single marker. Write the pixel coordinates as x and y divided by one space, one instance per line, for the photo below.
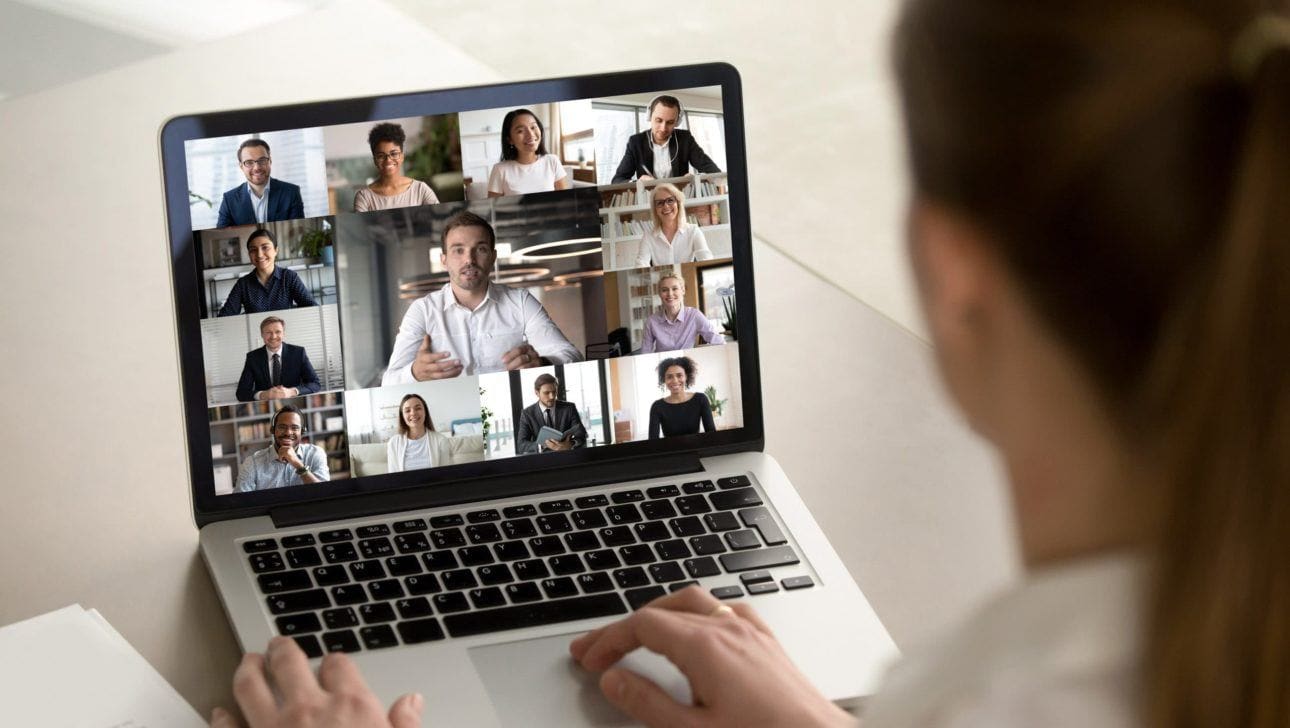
1265 35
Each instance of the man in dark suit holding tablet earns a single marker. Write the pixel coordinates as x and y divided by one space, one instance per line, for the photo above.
277 369
262 199
549 412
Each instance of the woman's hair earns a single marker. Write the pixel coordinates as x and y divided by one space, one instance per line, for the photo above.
1138 187
680 204
261 233
403 424
386 132
508 150
687 365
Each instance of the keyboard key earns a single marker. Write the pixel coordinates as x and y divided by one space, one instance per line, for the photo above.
591 501
745 539
447 538
487 598
734 481
365 570
340 618
765 587
337 553
475 555
588 519
412 543
284 581
727 592
420 630
663 491
376 613
330 575
336 535
266 562
483 533
410 525
447 521
521 528
495 574
730 499
755 577
511 550
638 598
531 569
298 540
523 592
760 519
692 505
424 584
652 531
566 564
309 645
701 567
298 624
554 523
671 550
705 545
459 579
627 496
631 577
450 602
385 589
259 544
347 594
546 546
637 554
303 557
678 586
721 521
759 559
439 560
379 529
698 486
617 536
375 548
596 581
483 516
301 601
532 615
343 641
797 582
403 565
375 638
603 559
663 573
581 541
654 510
519 511
559 587
687 526
555 506
624 514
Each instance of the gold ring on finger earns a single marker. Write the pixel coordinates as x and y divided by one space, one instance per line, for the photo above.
721 610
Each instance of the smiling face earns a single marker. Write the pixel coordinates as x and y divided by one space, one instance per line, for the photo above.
388 158
263 252
671 291
414 414
272 334
286 430
674 379
662 121
469 258
666 205
546 395
525 134
255 164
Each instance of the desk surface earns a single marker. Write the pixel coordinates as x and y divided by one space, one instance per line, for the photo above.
97 508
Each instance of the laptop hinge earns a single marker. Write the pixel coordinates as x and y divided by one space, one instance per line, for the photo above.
479 490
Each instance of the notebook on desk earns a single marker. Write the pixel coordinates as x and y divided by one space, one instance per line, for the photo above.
382 302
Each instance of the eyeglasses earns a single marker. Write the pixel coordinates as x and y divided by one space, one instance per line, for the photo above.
665 202
261 162
287 429
393 156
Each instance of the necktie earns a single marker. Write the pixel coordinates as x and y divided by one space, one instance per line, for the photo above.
277 370
548 420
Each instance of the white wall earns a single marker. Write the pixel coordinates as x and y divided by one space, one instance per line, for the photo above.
344 141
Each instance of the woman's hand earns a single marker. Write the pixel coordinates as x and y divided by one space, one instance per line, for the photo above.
338 697
738 672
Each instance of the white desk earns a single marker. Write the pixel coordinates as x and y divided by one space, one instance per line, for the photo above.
96 504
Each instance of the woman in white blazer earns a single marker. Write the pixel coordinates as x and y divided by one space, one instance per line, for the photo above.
418 445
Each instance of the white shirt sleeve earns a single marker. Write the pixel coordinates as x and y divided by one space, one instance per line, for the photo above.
543 334
557 170
495 181
393 461
699 245
643 251
406 344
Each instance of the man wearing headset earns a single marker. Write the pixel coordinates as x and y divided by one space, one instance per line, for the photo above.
286 461
662 150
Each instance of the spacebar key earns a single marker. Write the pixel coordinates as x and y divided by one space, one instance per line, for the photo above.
761 559
535 614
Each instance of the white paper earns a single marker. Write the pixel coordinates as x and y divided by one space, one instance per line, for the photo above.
71 668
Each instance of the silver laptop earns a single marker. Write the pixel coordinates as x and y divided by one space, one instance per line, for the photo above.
469 372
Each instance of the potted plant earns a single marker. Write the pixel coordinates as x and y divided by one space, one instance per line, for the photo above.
485 416
717 404
317 244
731 322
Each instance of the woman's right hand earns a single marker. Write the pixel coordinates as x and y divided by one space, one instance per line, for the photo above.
738 672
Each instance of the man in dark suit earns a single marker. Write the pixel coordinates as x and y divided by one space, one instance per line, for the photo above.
262 199
277 369
663 150
549 412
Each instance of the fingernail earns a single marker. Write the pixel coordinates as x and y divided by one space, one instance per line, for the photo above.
615 684
418 702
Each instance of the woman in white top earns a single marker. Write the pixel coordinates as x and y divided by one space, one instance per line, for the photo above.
671 239
418 445
1100 236
391 188
525 167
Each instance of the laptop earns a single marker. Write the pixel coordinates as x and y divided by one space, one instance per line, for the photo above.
469 372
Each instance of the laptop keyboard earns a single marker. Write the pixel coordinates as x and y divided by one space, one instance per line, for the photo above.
488 570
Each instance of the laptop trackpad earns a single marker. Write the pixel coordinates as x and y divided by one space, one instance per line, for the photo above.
536 682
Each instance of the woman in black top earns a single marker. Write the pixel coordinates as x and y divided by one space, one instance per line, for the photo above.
681 411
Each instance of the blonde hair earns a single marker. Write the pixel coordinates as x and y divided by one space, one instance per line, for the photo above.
680 205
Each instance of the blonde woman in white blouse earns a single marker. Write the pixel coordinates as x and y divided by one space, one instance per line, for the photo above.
671 239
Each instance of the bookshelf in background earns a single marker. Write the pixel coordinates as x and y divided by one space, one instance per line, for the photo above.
239 430
625 215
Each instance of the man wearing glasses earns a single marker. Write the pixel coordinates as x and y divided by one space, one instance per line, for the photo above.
286 461
262 199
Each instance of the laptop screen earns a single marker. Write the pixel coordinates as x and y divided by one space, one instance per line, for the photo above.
430 293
